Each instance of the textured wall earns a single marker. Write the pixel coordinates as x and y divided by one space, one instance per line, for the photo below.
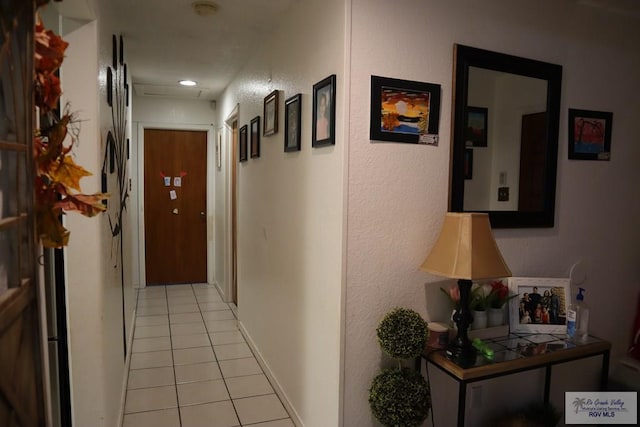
397 193
290 209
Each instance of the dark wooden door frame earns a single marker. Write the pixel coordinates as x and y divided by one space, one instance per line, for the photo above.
140 187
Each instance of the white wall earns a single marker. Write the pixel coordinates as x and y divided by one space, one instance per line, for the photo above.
96 301
291 215
397 193
94 294
168 113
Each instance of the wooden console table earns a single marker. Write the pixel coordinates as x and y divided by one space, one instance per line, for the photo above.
513 354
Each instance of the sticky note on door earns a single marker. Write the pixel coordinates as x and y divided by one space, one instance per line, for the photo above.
177 181
173 195
167 180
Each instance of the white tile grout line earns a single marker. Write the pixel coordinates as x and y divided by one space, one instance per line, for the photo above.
166 297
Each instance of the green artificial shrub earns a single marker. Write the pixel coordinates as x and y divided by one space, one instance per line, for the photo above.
399 397
402 333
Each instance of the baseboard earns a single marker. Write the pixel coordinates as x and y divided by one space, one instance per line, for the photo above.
125 376
272 379
220 290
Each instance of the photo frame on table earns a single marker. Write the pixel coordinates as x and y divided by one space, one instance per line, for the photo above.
541 304
292 123
324 112
255 137
270 111
476 126
243 144
590 134
404 111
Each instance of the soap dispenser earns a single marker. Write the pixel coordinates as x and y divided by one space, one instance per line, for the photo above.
582 317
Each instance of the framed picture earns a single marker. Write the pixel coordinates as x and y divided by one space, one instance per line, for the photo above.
271 103
324 112
589 135
243 144
404 111
255 137
476 129
541 304
468 163
219 150
292 123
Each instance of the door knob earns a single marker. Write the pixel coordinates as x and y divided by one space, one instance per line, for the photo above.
202 213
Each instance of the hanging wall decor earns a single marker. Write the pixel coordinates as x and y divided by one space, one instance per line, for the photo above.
116 154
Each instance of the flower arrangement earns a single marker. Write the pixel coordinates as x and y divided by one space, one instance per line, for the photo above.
57 182
453 294
499 294
480 299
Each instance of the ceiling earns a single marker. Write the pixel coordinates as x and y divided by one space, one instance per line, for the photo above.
166 41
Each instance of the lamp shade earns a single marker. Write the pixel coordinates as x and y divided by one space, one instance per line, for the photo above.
466 249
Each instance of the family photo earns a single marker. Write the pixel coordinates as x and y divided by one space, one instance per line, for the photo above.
542 305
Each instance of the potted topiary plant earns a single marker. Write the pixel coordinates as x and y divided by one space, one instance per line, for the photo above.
400 396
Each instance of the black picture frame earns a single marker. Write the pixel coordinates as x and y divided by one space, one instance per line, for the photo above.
590 134
476 126
242 142
293 123
323 131
255 137
270 113
468 163
397 111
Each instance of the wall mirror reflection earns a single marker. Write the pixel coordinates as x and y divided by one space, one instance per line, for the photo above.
506 110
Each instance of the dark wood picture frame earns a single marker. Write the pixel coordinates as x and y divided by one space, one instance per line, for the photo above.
242 142
476 125
270 112
389 124
324 112
590 134
255 137
293 123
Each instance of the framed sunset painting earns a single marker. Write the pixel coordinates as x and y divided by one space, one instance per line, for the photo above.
404 111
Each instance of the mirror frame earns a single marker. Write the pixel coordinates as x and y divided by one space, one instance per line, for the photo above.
465 57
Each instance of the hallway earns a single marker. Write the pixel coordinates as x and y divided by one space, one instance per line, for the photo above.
191 366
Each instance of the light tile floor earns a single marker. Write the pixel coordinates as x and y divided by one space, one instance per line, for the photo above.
191 367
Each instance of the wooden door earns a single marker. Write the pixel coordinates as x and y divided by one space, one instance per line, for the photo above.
533 152
175 220
21 345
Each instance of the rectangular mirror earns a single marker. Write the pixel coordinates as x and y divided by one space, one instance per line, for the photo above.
505 137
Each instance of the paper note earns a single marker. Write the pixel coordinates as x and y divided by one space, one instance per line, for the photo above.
167 181
175 211
173 195
177 181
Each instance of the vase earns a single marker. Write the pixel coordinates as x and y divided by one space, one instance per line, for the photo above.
495 317
479 320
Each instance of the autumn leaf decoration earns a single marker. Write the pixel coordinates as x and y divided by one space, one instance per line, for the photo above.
57 182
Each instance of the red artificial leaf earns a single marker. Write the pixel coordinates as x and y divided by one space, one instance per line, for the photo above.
49 51
86 204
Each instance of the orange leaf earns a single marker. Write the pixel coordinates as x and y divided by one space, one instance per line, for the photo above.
68 173
86 204
50 230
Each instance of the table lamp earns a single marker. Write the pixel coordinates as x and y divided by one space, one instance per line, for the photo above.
467 251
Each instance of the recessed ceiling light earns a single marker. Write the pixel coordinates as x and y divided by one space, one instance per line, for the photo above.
187 83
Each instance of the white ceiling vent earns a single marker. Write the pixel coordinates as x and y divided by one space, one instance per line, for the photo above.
164 91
